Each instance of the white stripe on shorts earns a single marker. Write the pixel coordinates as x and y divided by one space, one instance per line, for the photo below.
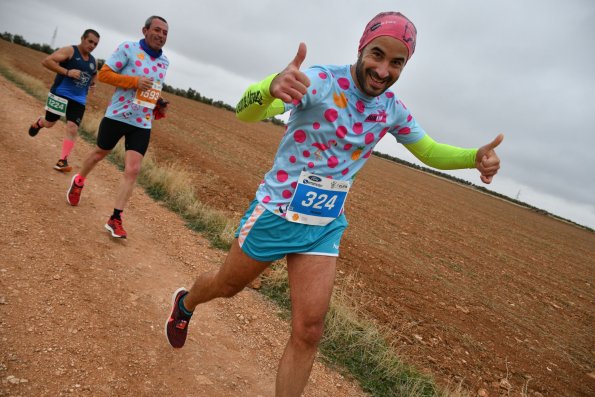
258 211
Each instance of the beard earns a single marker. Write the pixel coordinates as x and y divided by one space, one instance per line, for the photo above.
360 75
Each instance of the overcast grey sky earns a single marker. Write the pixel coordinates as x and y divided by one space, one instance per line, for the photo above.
525 68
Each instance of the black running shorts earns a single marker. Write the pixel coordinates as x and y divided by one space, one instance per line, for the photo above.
111 131
74 113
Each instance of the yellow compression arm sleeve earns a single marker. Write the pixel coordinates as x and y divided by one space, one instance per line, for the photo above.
108 76
257 103
441 156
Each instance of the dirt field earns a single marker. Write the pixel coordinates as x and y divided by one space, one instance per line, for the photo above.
470 287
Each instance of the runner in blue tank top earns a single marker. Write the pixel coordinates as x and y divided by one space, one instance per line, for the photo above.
338 114
76 71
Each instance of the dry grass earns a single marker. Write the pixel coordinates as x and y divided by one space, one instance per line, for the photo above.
354 342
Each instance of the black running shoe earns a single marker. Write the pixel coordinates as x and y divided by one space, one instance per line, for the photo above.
176 326
35 127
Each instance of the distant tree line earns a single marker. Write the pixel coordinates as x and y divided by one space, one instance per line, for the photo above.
191 93
481 188
20 40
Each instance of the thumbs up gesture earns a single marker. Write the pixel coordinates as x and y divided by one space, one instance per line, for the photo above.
487 161
291 84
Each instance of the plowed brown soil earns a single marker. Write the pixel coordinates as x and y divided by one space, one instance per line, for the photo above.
471 288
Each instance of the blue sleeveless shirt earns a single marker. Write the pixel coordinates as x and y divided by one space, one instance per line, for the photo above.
73 89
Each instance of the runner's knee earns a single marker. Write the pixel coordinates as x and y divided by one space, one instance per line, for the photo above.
308 333
132 169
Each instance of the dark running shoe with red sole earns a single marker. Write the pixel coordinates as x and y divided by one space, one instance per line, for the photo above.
114 226
35 127
73 195
176 326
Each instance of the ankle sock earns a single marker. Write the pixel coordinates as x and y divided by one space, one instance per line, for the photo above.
182 308
79 180
117 214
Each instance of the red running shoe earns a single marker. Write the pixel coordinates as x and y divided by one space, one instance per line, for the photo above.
176 326
114 226
73 196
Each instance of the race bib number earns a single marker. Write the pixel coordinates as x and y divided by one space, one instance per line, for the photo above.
317 200
148 98
56 104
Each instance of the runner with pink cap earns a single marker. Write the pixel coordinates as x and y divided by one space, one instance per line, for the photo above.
338 115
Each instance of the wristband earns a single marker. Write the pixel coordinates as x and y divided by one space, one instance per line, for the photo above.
67 70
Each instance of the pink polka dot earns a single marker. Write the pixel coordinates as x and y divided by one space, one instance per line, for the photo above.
125 106
146 70
118 64
343 83
153 59
139 120
282 175
292 159
409 117
358 128
332 162
383 132
331 115
369 138
311 164
306 153
133 70
145 110
287 194
341 132
299 136
314 92
154 68
295 102
316 125
360 106
389 94
368 154
266 199
404 131
345 171
121 99
322 75
114 111
347 146
127 46
293 184
138 63
161 76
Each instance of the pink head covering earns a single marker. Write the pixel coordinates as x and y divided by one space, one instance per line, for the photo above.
393 24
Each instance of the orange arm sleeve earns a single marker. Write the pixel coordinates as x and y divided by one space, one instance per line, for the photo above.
108 76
